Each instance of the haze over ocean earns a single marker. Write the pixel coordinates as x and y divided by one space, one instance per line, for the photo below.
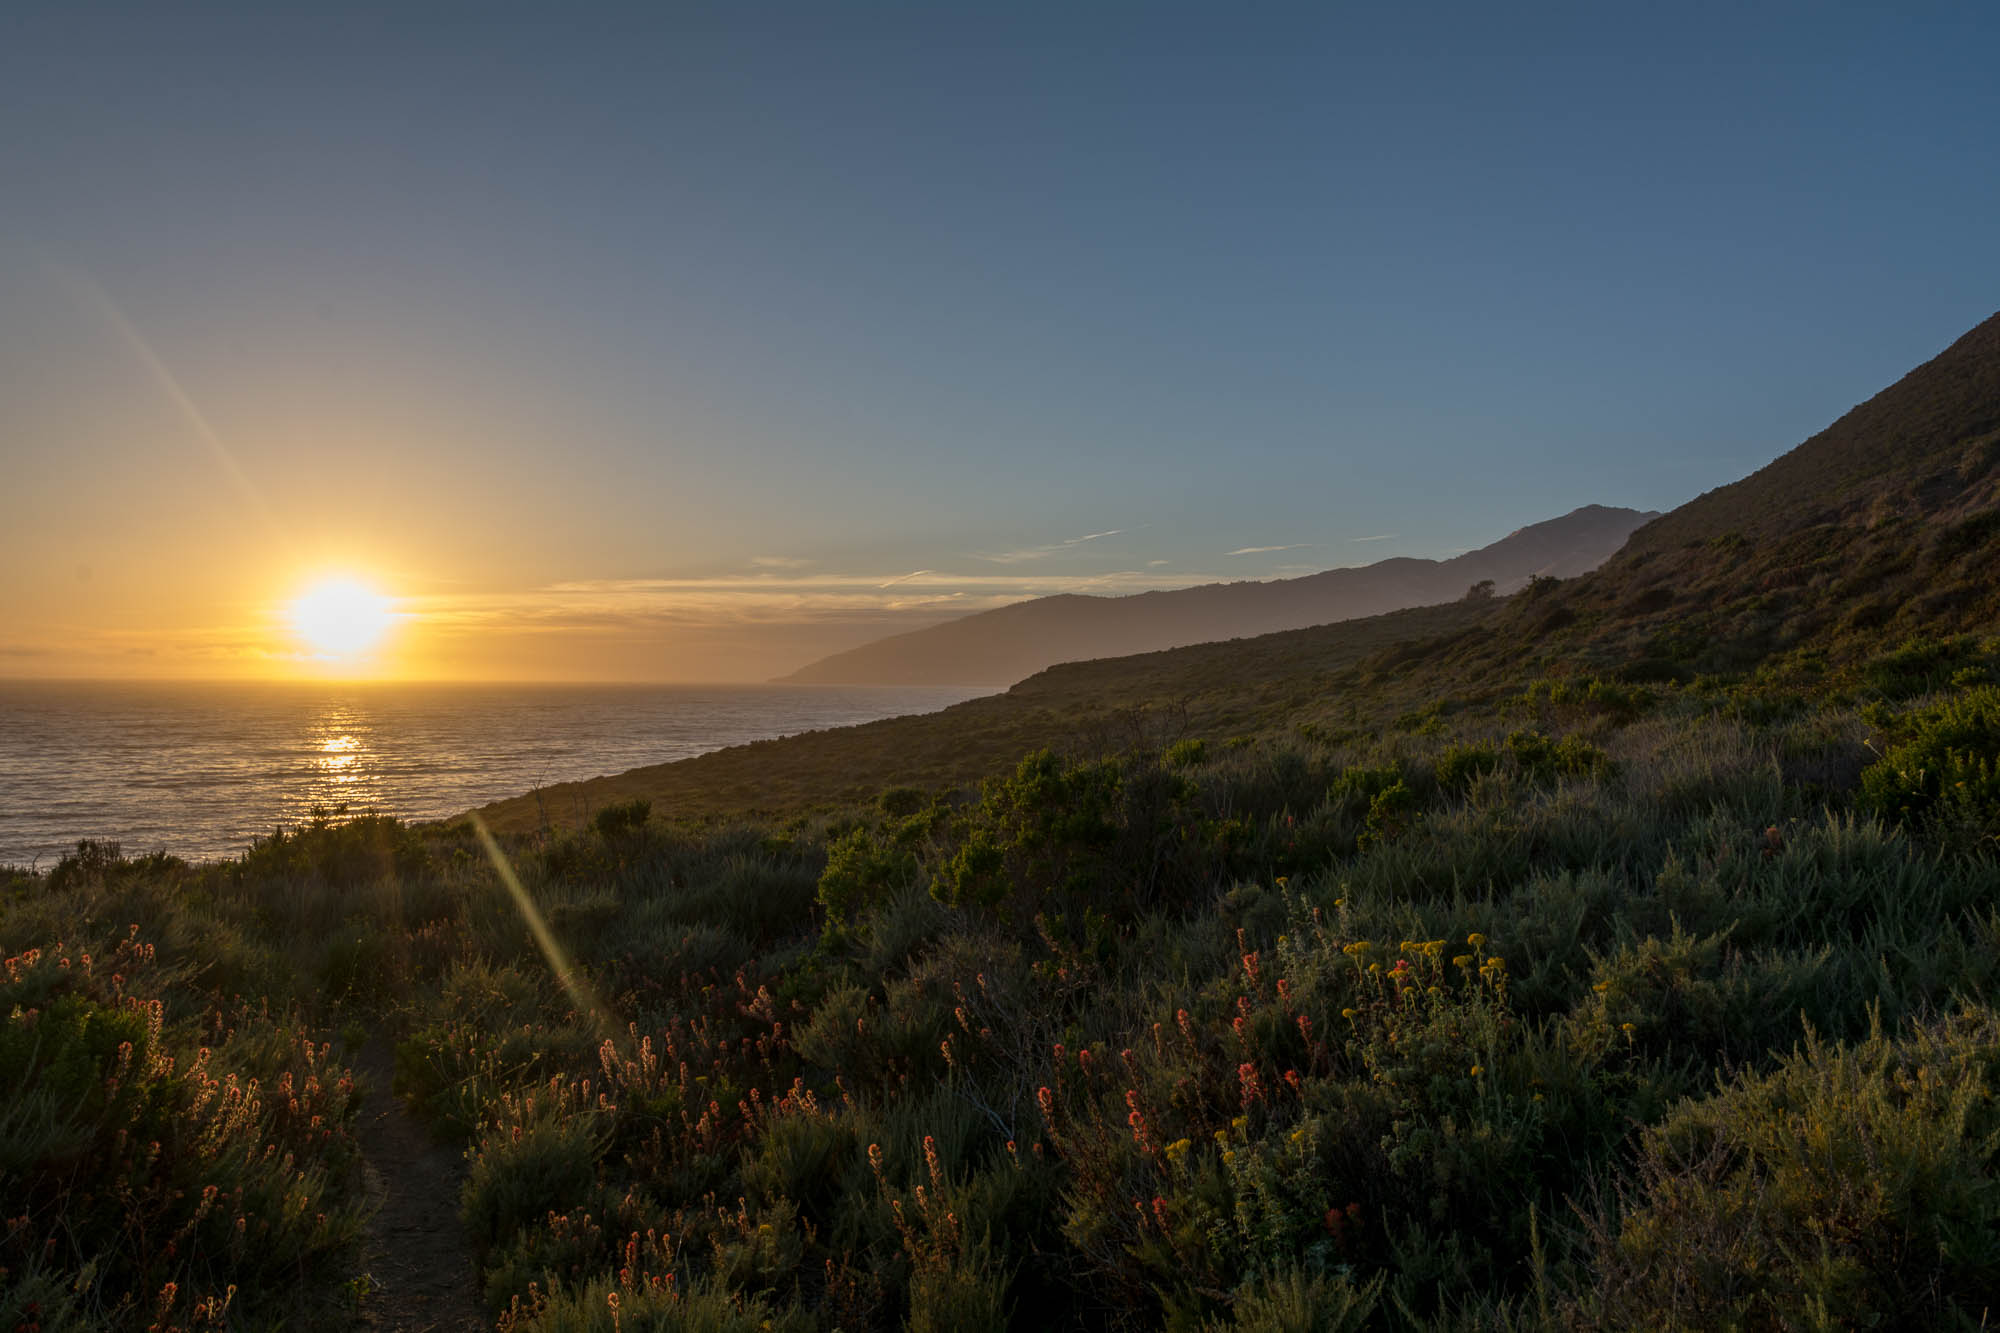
198 770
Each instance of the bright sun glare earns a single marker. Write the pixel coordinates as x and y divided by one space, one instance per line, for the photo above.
340 617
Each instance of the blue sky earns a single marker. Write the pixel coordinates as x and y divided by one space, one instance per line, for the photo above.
707 321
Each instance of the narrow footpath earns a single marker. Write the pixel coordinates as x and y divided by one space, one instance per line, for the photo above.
417 1257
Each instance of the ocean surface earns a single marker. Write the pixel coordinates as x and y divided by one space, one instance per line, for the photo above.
199 770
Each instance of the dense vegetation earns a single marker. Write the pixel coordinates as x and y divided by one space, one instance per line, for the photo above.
1606 1006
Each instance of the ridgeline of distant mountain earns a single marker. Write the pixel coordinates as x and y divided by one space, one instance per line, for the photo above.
1011 643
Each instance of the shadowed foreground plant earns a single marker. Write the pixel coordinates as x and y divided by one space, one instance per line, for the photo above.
1852 1186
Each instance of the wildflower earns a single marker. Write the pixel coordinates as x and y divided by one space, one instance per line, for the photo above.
1137 1120
1477 1070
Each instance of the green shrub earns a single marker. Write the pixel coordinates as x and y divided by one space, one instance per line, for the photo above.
622 819
1301 1302
1947 764
1460 765
863 868
1542 761
1852 1186
1918 666
161 1179
522 1172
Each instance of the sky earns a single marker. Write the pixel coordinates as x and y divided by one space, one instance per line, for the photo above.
689 342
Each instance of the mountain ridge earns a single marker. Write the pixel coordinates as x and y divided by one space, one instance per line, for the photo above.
1011 643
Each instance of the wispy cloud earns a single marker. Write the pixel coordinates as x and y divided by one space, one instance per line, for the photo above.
1379 537
780 562
1027 553
1266 550
768 598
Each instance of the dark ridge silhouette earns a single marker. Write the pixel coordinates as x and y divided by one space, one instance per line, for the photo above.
1012 643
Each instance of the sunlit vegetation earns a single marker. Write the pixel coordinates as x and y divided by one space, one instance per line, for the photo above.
1607 1005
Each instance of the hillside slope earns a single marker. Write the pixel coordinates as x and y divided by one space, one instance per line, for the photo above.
1895 534
1011 643
1218 690
1907 452
1883 527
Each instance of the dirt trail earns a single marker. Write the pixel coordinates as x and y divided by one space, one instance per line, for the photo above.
417 1255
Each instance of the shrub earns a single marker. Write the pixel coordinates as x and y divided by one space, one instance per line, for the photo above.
863 868
1541 760
162 1179
1298 1302
1852 1184
1917 666
1946 765
522 1172
1459 765
622 819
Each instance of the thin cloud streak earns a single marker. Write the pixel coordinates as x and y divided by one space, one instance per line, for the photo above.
820 598
1027 553
1380 537
1266 550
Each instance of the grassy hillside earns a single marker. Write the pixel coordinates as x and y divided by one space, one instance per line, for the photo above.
1218 691
1623 954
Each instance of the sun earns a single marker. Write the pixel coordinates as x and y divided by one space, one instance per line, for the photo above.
341 617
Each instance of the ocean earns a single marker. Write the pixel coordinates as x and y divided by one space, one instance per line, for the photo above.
199 770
